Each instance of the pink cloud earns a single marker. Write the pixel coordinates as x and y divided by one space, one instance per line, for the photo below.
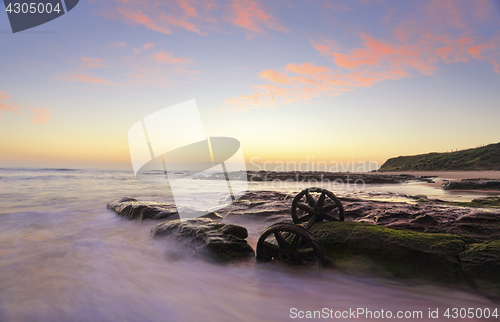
446 12
144 47
161 16
274 77
483 9
253 16
298 83
306 69
119 44
196 16
91 62
166 57
135 68
41 115
422 41
187 7
10 107
133 17
83 78
176 21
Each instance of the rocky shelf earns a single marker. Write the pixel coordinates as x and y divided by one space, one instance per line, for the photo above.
472 184
420 238
317 176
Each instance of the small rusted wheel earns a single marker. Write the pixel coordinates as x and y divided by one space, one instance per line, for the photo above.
305 208
289 243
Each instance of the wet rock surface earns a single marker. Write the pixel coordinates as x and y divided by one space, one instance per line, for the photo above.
472 184
317 176
208 238
273 206
481 263
419 239
447 258
133 209
403 253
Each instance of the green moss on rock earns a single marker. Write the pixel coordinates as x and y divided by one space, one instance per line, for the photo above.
403 253
481 262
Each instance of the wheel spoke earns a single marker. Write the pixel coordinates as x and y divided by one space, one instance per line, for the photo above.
321 200
305 218
304 207
295 242
273 250
311 221
310 199
281 241
330 207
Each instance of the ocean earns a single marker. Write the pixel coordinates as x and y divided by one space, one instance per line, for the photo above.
65 257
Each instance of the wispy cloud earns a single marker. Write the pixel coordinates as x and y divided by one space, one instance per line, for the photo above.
253 16
40 115
8 107
83 78
449 35
168 58
91 62
144 47
297 83
200 17
118 44
132 66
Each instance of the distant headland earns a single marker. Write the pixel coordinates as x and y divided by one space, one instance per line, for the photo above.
482 158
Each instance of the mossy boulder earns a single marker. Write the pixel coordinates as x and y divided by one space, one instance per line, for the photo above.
481 262
404 254
208 238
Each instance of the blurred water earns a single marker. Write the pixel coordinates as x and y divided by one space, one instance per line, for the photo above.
65 257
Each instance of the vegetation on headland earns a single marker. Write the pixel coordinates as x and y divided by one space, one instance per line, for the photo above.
482 158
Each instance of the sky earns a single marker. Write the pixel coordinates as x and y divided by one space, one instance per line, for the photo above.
293 81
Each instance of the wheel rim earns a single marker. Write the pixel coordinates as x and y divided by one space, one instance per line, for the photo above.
305 208
289 243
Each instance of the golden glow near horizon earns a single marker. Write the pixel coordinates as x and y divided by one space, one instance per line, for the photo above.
357 83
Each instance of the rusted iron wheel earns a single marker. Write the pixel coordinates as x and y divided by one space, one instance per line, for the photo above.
306 208
289 243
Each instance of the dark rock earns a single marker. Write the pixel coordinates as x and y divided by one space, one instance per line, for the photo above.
472 185
133 209
481 263
480 217
273 206
403 253
316 176
208 238
213 215
426 220
450 258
